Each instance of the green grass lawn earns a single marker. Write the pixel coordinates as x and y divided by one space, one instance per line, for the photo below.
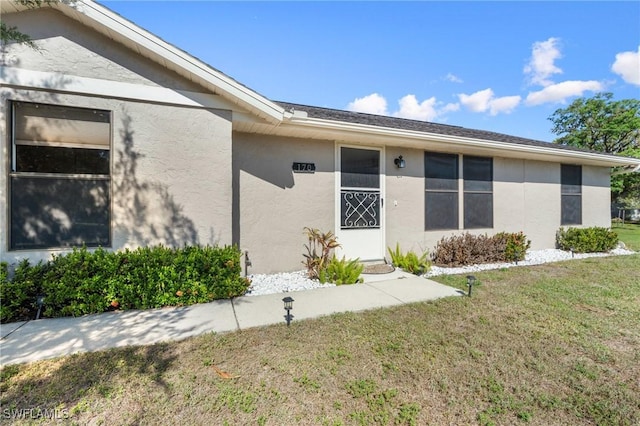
553 344
629 233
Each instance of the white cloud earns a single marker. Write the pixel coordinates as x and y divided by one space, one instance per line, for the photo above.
485 100
370 104
561 91
412 109
477 102
453 78
541 65
627 66
505 104
409 107
451 108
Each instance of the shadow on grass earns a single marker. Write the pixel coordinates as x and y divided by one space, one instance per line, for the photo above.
63 384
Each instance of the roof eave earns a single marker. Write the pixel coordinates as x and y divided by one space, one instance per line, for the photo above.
398 135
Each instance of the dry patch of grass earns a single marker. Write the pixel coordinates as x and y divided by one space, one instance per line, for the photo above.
550 344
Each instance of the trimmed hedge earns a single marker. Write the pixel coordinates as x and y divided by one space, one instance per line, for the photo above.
467 249
586 240
84 282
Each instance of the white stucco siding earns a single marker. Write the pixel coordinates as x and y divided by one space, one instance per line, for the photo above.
274 204
508 195
67 47
404 201
596 196
175 163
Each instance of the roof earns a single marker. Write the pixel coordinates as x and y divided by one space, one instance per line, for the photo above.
457 134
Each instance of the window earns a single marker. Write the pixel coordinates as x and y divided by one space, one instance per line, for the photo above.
478 192
441 191
571 194
60 177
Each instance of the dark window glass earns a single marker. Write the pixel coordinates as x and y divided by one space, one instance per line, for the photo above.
47 159
478 210
441 210
478 192
360 168
441 171
441 186
571 210
477 173
59 212
571 195
571 179
64 210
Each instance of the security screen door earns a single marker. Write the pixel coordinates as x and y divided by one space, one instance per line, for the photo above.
360 230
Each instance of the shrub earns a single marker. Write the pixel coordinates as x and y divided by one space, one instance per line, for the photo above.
19 294
586 240
341 271
467 249
410 261
515 245
83 282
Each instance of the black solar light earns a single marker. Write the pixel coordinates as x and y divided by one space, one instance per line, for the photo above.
288 306
39 302
470 281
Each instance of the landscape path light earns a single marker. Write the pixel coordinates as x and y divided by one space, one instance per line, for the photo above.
470 282
288 306
39 303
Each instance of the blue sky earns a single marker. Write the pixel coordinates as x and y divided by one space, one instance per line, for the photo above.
498 66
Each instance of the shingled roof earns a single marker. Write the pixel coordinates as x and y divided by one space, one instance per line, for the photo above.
422 126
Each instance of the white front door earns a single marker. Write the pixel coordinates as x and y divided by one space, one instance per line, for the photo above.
359 207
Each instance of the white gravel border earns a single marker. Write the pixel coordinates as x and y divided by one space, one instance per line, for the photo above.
298 281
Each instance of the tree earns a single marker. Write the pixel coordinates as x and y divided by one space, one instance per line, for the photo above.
602 124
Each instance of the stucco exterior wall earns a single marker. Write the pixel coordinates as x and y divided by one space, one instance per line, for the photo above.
86 53
404 201
596 196
272 204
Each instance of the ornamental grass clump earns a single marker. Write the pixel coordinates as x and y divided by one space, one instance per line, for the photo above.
410 261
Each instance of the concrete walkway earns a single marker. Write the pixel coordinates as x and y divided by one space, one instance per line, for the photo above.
48 338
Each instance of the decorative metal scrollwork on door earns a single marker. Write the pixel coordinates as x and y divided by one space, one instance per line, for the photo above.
360 209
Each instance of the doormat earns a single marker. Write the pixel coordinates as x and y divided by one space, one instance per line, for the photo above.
380 268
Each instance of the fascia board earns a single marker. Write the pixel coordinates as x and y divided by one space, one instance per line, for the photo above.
164 53
499 147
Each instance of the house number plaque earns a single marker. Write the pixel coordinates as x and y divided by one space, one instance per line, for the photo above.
304 167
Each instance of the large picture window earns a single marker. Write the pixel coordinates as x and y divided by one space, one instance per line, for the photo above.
571 194
441 191
60 177
477 173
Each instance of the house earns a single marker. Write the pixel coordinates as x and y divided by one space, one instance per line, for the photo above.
112 137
